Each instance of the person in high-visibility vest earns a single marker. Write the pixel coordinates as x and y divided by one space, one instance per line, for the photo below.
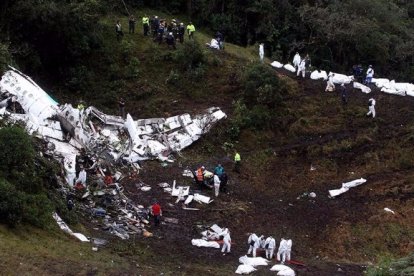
145 24
190 30
200 177
237 160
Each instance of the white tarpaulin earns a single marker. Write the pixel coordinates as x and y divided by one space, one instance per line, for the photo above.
283 270
276 64
204 243
319 75
380 82
65 228
202 199
253 261
289 67
340 78
245 269
363 88
346 186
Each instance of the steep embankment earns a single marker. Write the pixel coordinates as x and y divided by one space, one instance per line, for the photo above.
340 142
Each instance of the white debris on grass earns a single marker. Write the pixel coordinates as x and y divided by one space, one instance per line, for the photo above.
62 225
253 261
389 210
283 270
346 186
365 89
245 269
204 243
289 67
319 75
340 78
276 64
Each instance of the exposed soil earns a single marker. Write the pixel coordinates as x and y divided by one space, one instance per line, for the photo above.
328 234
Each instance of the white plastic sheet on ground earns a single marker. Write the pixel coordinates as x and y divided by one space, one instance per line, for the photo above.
204 243
283 270
202 199
340 78
66 229
397 88
346 186
276 64
380 82
253 261
289 67
319 75
363 88
245 269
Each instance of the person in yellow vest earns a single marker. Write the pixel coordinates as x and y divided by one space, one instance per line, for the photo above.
237 160
190 30
145 24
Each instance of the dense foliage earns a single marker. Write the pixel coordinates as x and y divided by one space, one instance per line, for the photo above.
25 181
337 34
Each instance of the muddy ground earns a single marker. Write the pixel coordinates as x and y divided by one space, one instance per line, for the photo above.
330 236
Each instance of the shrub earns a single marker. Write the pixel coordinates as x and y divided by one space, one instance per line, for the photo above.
190 56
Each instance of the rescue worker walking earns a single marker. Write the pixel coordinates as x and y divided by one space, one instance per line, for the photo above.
118 30
371 107
131 24
344 94
330 86
181 32
296 60
145 25
270 245
237 162
226 241
156 212
302 68
200 177
223 182
370 75
285 247
190 30
254 242
216 185
261 52
121 104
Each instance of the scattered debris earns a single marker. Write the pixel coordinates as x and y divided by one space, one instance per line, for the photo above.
101 143
65 228
253 261
283 270
389 210
346 186
245 269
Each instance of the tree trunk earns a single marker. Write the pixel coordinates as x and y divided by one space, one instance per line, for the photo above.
189 8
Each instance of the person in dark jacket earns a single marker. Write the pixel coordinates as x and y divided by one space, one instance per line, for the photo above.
344 94
181 32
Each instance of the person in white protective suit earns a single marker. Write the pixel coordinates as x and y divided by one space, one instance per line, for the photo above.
285 247
302 68
270 245
370 75
216 185
254 242
371 107
330 86
296 60
261 51
82 177
226 241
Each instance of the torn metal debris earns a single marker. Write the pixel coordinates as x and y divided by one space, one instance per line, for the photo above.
98 145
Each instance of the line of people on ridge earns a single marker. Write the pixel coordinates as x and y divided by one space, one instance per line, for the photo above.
160 29
269 244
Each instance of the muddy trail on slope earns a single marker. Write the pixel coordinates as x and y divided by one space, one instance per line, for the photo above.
331 236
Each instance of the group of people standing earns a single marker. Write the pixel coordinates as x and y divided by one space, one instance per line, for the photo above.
269 244
160 29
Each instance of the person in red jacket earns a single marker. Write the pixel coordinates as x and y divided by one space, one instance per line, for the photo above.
156 212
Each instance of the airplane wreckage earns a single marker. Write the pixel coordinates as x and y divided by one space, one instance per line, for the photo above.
70 132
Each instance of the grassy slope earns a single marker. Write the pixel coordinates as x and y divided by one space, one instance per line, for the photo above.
340 143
